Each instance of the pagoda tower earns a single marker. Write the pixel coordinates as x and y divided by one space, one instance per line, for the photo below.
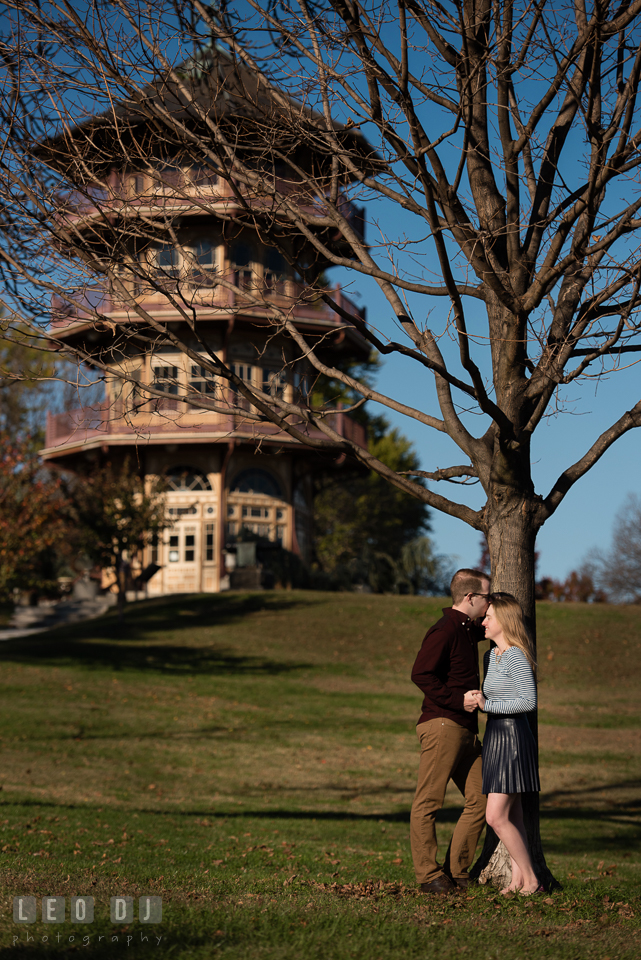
187 270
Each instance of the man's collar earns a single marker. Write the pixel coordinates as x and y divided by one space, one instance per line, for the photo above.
457 615
460 617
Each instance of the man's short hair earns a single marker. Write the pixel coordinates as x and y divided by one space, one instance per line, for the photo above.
467 581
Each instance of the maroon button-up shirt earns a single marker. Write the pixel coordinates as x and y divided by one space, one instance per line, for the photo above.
447 666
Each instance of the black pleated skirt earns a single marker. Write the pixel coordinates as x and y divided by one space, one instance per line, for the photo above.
509 756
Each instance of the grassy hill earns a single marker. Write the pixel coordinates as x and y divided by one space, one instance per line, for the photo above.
262 747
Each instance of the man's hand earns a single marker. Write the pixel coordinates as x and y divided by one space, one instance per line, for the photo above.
470 703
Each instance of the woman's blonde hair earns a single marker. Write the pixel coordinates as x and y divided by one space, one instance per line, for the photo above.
509 614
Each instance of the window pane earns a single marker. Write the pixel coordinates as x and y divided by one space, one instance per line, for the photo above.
202 381
203 176
206 254
241 255
209 542
165 379
274 382
275 261
256 481
168 261
186 478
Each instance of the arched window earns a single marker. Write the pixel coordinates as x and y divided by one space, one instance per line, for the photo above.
185 479
257 481
249 510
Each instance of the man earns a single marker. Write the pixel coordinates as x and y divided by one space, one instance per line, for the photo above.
447 671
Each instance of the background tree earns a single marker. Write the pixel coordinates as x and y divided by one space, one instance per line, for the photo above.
362 523
25 394
33 523
420 570
506 133
617 571
36 540
578 587
116 517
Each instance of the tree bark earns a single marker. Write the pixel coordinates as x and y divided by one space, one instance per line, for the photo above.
511 535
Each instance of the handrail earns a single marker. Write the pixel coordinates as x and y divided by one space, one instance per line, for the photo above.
84 424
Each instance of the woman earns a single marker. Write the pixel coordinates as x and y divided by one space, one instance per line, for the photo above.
509 751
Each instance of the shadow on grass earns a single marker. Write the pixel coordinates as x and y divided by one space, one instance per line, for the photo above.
39 950
125 646
572 797
448 814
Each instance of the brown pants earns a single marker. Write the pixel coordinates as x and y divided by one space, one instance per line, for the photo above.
448 752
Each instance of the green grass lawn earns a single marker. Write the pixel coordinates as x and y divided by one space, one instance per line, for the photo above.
252 758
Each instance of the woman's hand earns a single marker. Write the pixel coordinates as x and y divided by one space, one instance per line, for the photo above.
480 699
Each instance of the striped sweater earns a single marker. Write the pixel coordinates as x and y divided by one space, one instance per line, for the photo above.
509 685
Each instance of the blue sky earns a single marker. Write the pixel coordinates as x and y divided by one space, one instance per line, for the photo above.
585 518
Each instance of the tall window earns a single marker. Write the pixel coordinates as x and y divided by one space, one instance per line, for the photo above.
165 378
167 262
203 381
241 257
182 546
205 264
244 372
210 542
174 548
136 400
255 503
275 272
301 385
190 544
274 382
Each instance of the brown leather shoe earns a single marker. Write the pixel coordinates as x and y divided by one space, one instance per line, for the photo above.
462 882
441 885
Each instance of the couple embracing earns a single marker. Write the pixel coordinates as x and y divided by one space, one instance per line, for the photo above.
493 778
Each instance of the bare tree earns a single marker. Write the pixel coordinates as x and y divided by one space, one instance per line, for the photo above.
617 571
507 134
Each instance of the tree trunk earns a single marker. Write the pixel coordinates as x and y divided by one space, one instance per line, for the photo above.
511 535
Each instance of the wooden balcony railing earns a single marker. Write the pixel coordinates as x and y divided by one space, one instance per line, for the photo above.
173 187
301 302
86 424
